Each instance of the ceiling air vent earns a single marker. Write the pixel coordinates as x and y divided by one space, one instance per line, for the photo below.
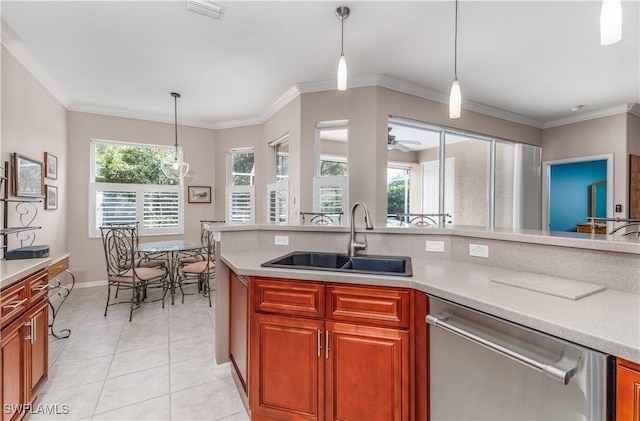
206 8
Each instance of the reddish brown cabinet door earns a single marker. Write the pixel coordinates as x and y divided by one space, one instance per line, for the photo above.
367 374
286 380
37 349
12 370
627 391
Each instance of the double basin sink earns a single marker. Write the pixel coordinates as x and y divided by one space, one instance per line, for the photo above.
339 262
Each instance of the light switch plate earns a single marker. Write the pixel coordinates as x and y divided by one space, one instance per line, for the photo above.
282 240
435 246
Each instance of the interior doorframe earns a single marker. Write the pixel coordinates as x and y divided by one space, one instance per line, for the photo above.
546 185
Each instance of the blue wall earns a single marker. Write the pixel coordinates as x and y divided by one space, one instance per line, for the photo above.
570 197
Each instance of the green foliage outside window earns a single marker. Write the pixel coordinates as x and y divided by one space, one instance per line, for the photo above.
131 164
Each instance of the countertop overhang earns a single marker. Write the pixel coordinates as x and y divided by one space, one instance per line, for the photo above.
608 321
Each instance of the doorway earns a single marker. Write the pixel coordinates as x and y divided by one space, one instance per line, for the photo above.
569 196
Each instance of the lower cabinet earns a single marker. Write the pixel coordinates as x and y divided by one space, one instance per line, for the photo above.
336 363
627 391
24 344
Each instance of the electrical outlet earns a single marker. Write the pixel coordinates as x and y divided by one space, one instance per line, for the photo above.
282 240
435 246
478 250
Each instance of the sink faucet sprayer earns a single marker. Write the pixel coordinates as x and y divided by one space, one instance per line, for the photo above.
354 246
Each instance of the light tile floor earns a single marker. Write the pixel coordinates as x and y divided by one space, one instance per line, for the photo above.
159 366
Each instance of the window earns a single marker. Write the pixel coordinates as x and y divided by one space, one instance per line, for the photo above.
331 183
398 180
278 192
127 185
240 186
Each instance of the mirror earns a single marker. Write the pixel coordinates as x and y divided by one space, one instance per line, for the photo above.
27 177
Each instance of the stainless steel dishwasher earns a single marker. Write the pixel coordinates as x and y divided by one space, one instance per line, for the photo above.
485 368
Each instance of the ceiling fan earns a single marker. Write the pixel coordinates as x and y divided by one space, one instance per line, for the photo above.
400 145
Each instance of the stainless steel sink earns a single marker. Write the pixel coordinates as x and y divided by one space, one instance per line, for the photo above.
339 262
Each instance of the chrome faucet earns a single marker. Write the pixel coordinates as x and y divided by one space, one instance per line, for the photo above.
354 246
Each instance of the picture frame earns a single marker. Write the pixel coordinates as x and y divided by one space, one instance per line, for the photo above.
28 180
634 186
199 194
50 197
50 166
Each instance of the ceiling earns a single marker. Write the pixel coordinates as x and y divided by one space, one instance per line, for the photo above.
526 61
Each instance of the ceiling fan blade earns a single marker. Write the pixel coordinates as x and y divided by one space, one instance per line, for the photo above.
410 142
399 146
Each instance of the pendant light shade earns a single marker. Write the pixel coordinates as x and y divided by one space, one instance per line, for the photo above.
455 97
455 100
342 13
175 168
610 22
342 74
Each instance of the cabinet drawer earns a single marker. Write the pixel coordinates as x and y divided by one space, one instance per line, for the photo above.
38 285
378 306
58 267
13 302
288 297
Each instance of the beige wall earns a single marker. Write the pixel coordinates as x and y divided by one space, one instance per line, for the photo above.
34 122
198 144
593 137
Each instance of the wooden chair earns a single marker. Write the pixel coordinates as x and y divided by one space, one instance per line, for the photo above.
123 270
200 267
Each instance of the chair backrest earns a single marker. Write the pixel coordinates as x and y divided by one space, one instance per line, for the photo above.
119 244
207 241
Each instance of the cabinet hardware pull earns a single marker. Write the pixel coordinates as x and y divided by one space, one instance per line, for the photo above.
15 304
34 329
319 343
445 322
326 346
41 287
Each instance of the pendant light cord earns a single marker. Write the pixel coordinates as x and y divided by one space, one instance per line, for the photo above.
342 39
175 120
455 47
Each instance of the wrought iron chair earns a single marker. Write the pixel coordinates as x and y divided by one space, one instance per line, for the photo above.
123 272
200 267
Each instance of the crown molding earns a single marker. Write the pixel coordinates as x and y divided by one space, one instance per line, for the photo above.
604 112
135 115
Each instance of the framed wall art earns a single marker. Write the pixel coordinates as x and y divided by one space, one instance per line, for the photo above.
50 166
199 194
634 186
50 197
27 176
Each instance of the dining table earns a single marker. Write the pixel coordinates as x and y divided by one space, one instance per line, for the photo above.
170 251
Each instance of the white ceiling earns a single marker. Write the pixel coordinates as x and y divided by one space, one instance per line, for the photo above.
535 60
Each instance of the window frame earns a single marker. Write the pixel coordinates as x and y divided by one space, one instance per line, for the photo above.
231 189
139 189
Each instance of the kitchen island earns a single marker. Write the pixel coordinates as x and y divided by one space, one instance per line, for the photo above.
607 321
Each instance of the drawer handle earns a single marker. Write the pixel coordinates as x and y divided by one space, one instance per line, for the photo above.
15 304
41 287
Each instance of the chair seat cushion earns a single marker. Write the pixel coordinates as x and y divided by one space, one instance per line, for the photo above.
200 267
149 263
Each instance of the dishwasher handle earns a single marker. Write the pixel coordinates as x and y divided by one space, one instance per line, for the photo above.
558 373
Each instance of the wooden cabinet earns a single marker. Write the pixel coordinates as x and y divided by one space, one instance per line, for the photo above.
332 351
24 357
627 391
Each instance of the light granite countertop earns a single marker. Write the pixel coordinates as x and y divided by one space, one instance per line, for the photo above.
14 270
608 321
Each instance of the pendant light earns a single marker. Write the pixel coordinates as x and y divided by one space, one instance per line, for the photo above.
455 98
610 22
342 13
176 168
